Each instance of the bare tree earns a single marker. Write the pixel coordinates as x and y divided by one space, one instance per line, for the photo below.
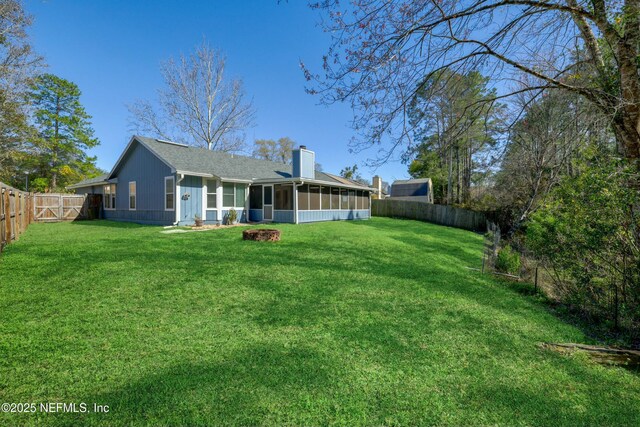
197 106
382 50
275 151
18 62
545 146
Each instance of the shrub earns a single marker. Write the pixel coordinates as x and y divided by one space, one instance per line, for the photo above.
232 216
508 260
589 233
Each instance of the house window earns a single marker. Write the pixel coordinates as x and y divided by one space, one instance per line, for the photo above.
335 198
228 194
212 185
303 198
284 197
241 195
344 200
109 197
233 195
169 193
255 197
132 196
326 198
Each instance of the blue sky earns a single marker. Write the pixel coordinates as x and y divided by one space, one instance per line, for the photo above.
112 50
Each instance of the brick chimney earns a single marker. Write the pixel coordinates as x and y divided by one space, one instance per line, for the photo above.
377 185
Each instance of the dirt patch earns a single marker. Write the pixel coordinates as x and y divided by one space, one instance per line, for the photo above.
610 356
218 227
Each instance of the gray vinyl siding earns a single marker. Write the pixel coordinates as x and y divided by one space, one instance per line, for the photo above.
148 172
242 214
283 216
332 215
212 217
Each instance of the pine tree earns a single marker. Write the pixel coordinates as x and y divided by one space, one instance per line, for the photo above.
64 129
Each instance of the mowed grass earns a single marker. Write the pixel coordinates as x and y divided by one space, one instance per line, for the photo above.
353 323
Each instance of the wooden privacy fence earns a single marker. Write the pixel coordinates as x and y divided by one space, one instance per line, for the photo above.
16 213
65 207
429 212
18 209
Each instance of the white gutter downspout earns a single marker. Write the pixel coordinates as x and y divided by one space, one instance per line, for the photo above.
177 197
295 201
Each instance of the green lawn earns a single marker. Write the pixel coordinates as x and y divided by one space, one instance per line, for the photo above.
370 323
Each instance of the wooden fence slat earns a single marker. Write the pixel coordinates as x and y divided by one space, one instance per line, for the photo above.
18 209
429 212
2 219
7 213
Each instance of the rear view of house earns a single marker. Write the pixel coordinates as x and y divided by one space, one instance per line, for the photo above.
162 182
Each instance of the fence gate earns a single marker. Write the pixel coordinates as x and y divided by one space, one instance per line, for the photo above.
60 207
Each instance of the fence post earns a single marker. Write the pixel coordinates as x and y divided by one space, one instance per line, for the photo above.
535 283
7 203
17 214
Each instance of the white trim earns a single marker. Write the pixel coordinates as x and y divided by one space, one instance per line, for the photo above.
311 181
219 200
177 197
206 175
237 180
171 177
206 193
135 195
113 205
296 188
272 204
203 204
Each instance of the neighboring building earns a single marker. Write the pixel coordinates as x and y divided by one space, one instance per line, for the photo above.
380 188
162 182
413 189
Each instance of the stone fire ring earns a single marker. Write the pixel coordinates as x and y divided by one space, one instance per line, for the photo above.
262 235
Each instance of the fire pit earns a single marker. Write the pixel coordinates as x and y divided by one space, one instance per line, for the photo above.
262 235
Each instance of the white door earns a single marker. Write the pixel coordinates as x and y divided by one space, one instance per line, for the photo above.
267 203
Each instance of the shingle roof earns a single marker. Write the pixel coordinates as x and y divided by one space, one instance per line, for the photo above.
91 181
412 181
411 187
186 159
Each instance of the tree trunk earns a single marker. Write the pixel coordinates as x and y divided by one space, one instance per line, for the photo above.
54 154
458 174
627 137
450 177
626 122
